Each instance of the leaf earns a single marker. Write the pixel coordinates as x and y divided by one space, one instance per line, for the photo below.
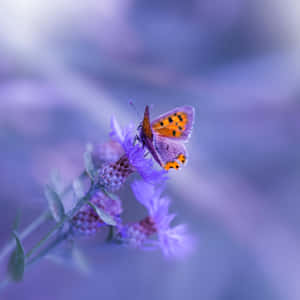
78 188
16 264
17 220
107 219
71 257
80 261
56 182
88 161
55 204
110 195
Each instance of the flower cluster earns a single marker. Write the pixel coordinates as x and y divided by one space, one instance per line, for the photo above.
113 175
173 241
106 171
155 230
87 221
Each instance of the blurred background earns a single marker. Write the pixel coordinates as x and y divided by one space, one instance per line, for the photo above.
67 66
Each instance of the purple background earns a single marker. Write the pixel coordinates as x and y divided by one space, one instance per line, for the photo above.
67 67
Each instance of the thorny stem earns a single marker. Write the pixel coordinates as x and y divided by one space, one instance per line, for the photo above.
46 215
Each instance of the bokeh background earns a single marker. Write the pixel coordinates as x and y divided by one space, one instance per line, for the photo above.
67 66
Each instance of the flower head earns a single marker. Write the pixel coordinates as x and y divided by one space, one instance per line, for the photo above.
107 152
135 153
173 241
113 175
87 221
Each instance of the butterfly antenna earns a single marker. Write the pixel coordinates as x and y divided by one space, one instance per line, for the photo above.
131 103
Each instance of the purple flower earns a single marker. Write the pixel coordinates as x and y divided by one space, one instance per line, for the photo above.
135 153
88 222
173 241
176 241
107 152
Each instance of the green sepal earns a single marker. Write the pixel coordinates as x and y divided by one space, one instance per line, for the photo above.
78 188
107 219
88 162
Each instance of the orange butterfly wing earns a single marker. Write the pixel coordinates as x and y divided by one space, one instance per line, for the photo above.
146 127
172 126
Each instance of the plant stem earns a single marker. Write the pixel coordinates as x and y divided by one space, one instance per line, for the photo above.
46 250
46 215
35 259
27 231
58 240
66 218
110 234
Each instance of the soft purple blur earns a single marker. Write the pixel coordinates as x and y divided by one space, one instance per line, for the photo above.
66 67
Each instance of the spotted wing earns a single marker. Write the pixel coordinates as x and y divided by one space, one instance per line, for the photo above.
176 124
172 153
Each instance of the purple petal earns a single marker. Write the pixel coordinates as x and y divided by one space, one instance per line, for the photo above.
116 131
143 192
176 242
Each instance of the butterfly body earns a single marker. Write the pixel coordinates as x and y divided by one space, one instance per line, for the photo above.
165 136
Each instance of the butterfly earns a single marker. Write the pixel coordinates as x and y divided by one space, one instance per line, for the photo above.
165 136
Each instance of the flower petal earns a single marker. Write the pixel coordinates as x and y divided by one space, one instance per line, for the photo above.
176 242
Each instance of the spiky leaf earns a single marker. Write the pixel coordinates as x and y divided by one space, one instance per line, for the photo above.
111 195
88 161
56 181
55 203
16 264
78 188
106 218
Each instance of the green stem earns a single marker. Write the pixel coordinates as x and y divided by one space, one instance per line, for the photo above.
57 241
110 234
26 232
40 255
45 238
36 224
68 217
46 215
46 250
